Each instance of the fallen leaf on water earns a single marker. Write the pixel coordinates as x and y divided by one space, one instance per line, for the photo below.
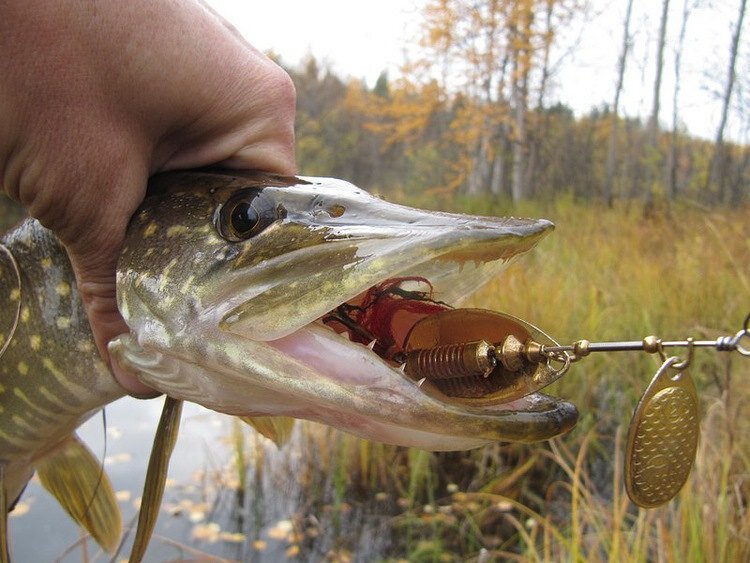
172 509
20 509
259 545
123 496
293 551
206 532
281 530
123 457
196 516
232 537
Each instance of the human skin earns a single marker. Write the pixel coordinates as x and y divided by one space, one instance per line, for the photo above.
97 95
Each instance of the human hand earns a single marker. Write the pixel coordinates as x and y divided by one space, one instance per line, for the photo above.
97 96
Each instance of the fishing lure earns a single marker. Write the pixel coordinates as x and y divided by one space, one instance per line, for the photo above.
479 353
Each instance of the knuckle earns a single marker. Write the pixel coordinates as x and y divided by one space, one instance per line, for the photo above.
281 90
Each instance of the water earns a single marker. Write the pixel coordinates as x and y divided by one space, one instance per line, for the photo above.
287 509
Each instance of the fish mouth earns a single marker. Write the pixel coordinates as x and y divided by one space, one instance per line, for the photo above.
375 330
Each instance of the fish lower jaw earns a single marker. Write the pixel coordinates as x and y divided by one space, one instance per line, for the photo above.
351 364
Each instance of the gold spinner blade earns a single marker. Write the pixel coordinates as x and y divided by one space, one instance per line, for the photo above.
663 437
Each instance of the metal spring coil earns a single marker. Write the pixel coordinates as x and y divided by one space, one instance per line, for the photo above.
451 361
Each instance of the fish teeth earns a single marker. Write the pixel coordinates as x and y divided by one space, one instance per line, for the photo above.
402 368
419 383
371 345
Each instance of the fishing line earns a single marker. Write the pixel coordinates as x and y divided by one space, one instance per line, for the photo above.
101 465
14 326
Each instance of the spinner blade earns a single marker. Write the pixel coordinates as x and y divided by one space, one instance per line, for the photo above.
663 437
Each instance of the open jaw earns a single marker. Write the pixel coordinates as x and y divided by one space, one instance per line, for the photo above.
361 343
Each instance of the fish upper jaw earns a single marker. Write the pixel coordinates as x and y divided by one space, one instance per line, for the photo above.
371 241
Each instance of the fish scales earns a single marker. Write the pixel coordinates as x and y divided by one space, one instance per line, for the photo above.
52 378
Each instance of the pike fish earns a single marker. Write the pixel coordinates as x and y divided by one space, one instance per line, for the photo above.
232 285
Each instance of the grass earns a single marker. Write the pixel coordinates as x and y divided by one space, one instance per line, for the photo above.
608 274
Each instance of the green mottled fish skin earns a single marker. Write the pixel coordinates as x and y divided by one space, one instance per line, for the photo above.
51 376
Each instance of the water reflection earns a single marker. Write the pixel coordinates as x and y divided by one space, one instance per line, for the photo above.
231 494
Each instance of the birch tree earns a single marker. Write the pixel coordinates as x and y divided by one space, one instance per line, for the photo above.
607 192
671 174
652 149
716 177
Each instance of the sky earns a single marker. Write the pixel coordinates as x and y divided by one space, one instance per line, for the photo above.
360 39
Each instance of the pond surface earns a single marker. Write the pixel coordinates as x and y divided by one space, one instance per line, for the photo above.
203 514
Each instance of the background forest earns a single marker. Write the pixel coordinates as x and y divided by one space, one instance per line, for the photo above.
472 112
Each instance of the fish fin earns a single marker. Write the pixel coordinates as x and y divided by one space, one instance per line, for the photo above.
156 475
278 429
4 554
77 480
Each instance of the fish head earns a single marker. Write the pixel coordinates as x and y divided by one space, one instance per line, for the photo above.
236 288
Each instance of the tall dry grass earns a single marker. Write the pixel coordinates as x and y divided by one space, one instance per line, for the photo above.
611 275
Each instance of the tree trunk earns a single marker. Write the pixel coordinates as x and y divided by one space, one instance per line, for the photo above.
520 31
540 117
518 186
716 171
652 147
478 182
654 120
608 191
671 173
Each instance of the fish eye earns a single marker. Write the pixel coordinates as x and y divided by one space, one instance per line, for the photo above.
245 215
243 219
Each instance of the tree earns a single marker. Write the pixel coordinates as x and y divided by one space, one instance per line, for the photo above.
607 192
520 28
716 169
671 175
652 148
